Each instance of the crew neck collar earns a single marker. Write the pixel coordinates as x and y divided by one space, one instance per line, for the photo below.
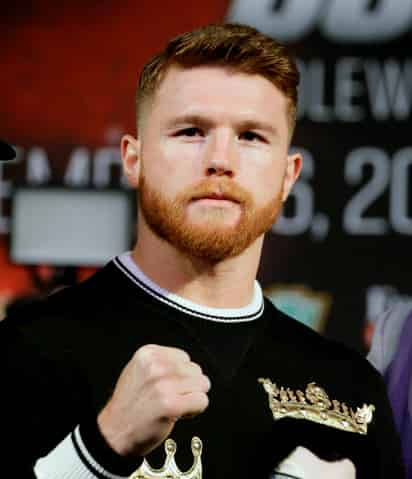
252 311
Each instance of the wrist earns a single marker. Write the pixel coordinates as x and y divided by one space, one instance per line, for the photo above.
116 438
103 451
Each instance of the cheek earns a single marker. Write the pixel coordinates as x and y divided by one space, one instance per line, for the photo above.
264 182
168 169
172 158
270 190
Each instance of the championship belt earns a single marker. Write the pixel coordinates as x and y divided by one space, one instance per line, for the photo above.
170 470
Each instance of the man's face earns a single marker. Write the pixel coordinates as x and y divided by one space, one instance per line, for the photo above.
214 168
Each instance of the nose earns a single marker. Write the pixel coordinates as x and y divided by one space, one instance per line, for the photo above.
220 156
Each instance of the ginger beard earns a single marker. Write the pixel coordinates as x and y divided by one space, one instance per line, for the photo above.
211 240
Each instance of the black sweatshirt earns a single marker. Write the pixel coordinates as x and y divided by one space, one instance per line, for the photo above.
60 360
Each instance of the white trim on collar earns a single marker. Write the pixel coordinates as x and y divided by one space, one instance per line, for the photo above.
250 312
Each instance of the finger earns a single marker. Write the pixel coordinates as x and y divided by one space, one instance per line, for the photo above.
176 354
199 383
187 406
154 352
187 369
194 403
180 386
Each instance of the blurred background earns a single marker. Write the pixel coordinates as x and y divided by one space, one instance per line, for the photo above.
340 254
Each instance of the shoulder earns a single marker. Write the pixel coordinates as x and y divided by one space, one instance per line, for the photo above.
305 356
302 336
67 300
316 349
61 317
388 329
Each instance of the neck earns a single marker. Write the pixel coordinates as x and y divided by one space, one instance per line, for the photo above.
227 284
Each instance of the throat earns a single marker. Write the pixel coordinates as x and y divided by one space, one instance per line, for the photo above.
226 284
216 292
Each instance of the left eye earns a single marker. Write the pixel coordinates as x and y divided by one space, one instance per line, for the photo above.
190 131
250 136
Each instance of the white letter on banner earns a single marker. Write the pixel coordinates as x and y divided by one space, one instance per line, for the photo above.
390 88
352 21
38 168
78 169
104 159
347 89
285 20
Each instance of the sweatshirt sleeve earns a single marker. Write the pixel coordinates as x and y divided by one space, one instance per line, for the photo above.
84 454
48 428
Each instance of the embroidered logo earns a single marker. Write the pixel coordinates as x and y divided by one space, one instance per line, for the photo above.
314 405
170 470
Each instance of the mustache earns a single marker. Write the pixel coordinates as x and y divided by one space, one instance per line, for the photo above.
224 189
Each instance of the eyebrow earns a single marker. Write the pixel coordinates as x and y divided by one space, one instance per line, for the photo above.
191 118
203 121
258 125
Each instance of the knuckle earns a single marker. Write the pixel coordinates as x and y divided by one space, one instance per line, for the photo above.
196 368
156 370
199 402
146 353
206 382
150 360
203 401
169 406
159 390
185 355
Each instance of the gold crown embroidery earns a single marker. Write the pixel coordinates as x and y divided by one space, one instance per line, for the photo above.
315 405
170 470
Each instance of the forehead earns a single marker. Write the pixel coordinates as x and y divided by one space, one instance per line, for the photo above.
214 90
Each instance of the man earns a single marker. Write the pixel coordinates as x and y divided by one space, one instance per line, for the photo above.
391 354
175 340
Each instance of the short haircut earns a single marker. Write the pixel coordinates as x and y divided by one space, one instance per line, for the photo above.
237 47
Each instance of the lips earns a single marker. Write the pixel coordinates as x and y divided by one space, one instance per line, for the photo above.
215 196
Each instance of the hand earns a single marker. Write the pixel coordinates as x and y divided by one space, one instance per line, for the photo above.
156 388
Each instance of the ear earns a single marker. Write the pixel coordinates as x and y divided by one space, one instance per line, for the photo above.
293 168
131 159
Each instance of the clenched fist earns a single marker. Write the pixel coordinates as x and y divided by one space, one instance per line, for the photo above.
157 387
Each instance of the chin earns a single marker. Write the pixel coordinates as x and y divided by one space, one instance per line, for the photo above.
220 221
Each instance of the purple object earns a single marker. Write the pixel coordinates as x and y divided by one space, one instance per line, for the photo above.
399 382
